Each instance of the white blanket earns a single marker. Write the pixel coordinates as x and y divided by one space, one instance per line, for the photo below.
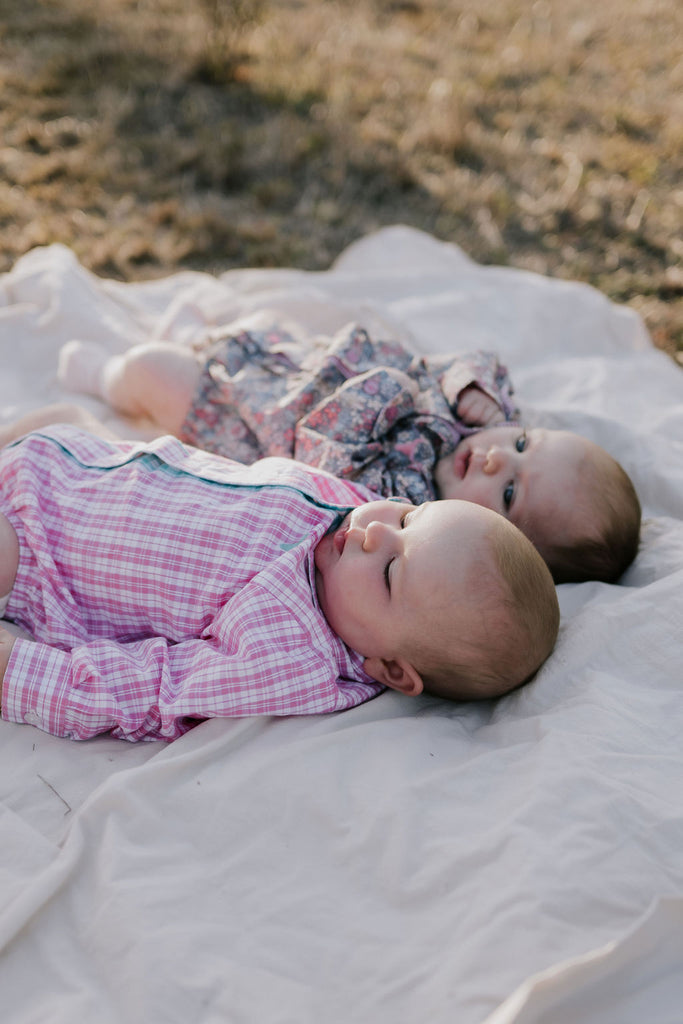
408 860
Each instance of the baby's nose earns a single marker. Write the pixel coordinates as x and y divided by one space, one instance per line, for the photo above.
495 459
376 534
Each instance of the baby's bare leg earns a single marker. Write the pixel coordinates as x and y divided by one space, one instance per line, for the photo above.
9 555
157 380
60 412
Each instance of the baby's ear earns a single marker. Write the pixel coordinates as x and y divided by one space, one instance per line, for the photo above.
396 673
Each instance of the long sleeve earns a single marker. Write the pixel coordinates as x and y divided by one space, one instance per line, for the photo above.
152 689
454 374
97 687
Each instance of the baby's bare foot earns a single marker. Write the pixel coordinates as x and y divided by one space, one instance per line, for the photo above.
80 366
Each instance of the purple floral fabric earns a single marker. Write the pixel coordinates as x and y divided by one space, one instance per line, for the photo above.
364 410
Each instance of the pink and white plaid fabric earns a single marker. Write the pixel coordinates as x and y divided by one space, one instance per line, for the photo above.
165 585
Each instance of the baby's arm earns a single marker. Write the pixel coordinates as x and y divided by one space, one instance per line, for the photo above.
152 689
141 690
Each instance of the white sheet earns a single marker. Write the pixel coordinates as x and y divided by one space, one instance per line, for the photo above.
408 860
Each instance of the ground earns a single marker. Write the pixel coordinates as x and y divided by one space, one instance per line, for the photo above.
155 135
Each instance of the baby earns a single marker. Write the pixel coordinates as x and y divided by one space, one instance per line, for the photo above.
375 413
163 585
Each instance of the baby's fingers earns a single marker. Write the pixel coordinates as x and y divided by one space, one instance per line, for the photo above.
476 408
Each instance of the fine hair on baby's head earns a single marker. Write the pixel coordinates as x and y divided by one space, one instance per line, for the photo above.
508 629
605 531
446 596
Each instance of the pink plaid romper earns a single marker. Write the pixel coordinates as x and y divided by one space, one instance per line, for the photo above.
163 585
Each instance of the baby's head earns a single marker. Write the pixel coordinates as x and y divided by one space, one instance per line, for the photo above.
447 596
572 499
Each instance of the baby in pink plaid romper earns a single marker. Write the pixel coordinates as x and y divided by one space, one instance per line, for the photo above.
162 585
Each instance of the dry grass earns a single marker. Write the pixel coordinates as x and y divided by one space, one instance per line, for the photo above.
151 135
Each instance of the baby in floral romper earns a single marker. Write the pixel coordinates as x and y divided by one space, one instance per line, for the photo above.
373 412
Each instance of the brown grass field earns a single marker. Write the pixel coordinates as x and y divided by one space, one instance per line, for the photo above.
155 135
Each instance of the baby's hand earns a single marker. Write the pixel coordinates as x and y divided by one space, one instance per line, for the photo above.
477 409
6 645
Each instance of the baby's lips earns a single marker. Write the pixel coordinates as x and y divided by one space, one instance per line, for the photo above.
461 463
340 537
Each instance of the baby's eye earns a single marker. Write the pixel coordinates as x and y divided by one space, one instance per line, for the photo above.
521 442
403 523
508 496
